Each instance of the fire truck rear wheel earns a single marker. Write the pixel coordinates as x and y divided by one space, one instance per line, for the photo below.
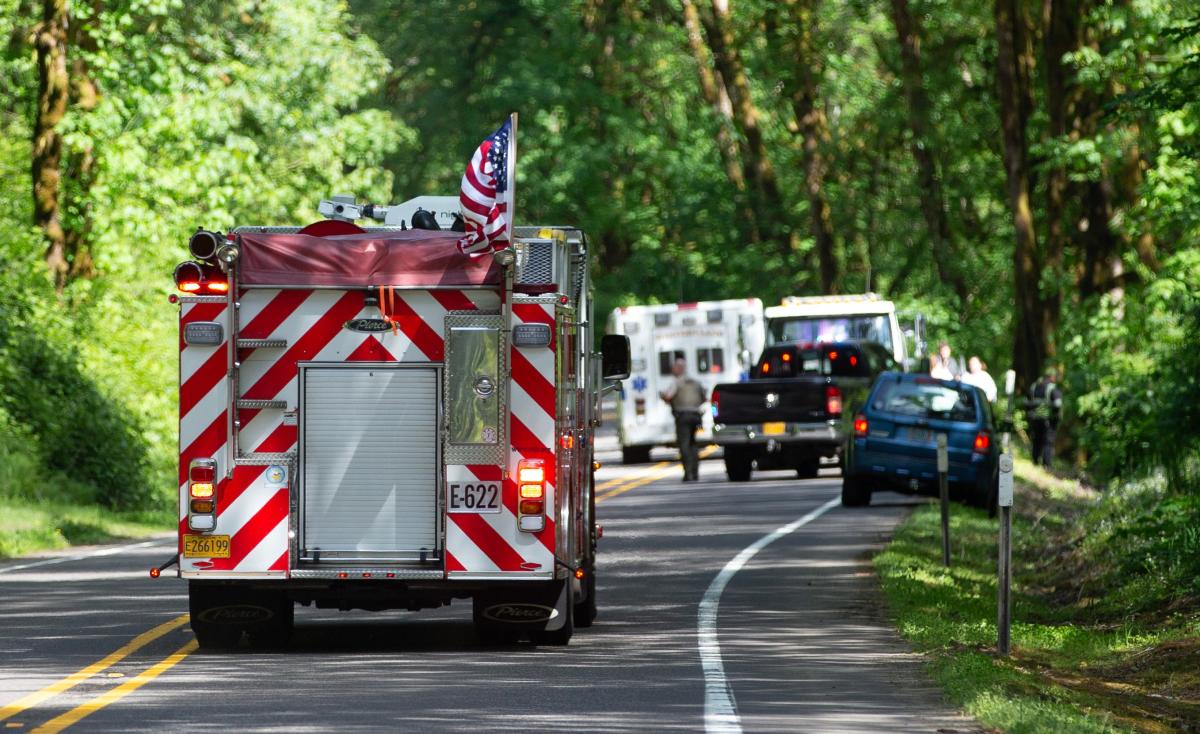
560 636
585 610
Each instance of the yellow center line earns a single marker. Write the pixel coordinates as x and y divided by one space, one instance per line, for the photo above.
665 468
622 480
83 710
83 674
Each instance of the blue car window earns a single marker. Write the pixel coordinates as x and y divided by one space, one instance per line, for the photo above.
926 399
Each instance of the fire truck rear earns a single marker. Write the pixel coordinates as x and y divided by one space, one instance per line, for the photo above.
369 419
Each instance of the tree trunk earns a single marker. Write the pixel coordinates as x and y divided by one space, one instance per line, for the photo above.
1029 345
717 98
50 43
802 87
929 180
756 160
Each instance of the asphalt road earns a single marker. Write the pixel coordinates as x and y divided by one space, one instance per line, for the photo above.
802 642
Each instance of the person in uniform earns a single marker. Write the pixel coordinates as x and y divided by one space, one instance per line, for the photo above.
1044 409
686 397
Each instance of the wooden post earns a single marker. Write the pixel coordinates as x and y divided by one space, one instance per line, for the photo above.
1004 582
943 468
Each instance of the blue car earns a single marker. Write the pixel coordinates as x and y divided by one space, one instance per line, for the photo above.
894 441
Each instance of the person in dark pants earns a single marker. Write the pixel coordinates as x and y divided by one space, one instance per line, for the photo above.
1044 409
686 398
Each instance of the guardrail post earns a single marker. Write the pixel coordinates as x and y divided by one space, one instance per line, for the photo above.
1010 386
1004 582
943 468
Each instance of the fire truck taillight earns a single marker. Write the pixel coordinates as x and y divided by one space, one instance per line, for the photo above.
200 279
202 494
531 486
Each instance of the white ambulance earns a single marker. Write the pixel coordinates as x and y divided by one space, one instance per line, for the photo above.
719 340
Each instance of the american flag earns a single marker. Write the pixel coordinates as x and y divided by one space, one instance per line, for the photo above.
484 194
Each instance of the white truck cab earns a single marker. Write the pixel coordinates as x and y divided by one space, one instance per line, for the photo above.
818 319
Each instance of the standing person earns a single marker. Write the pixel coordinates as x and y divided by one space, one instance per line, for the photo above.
937 368
686 397
1044 408
950 363
978 376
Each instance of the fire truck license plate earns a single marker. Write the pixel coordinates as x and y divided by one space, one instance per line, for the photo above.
774 429
206 546
473 497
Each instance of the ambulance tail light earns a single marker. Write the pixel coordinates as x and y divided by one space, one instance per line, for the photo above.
202 494
531 493
833 400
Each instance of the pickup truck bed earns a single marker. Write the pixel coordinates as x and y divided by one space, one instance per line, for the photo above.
797 407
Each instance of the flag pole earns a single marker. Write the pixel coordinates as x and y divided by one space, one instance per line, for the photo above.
512 178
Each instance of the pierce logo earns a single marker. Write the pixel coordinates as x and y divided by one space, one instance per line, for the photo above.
367 326
520 613
236 614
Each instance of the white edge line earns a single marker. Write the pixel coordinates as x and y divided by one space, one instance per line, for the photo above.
84 556
720 708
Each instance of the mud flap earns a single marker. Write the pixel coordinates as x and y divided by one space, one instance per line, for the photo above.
524 608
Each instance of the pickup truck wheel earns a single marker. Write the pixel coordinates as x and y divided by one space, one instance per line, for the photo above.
635 454
738 466
808 469
855 491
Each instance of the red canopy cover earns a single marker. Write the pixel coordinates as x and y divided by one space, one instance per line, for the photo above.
414 257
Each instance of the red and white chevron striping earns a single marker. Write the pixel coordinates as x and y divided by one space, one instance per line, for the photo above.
250 510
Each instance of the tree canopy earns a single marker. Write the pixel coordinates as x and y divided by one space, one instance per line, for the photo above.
1023 173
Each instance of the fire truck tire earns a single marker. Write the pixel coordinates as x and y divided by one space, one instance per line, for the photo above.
221 615
560 636
585 610
276 632
738 465
635 454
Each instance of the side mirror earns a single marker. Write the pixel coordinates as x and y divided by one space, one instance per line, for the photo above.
614 357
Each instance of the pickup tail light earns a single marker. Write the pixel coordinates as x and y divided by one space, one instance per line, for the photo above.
531 489
860 425
982 442
833 400
716 403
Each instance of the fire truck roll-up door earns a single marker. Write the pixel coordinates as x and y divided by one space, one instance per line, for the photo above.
370 458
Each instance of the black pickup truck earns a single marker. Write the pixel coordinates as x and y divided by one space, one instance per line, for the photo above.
797 406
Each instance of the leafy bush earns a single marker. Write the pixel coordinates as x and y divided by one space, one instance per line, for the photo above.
52 405
1135 367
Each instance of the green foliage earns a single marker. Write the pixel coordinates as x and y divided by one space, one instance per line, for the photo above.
1086 612
1136 370
50 401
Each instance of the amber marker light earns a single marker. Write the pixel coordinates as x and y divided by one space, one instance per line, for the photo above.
202 490
579 573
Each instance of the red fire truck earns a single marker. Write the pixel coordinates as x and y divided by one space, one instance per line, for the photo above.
370 419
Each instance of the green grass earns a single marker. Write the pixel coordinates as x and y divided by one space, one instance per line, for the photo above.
1086 657
27 527
43 509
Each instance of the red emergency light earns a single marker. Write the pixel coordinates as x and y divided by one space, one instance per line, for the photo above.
200 279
